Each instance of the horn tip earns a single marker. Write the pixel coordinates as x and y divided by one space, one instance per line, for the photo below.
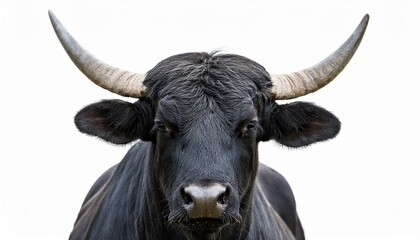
53 18
365 19
50 13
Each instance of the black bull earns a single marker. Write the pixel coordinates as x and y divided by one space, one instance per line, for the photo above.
198 119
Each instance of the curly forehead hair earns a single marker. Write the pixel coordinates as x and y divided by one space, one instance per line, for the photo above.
215 74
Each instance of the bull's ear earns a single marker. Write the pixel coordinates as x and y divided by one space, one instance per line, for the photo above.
116 121
298 124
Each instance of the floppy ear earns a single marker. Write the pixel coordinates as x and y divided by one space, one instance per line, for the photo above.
116 121
298 124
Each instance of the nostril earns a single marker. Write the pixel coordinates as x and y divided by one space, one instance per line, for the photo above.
186 198
224 197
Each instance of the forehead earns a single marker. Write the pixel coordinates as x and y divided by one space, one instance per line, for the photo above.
224 78
202 107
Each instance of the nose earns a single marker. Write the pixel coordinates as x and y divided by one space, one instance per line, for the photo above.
205 200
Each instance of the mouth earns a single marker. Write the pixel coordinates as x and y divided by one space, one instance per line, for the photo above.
204 228
204 225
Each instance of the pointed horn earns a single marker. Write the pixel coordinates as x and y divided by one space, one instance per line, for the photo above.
288 86
116 80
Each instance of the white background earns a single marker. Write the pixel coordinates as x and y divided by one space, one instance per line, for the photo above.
364 184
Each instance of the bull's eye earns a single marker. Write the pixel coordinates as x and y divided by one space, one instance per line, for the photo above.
164 128
247 128
251 125
160 126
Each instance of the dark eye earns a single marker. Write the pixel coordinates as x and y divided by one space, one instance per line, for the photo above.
246 129
164 128
251 125
160 126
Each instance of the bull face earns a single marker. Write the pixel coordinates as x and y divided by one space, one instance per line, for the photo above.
199 169
205 136
204 115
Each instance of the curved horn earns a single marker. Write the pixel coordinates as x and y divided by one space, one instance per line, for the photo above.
116 80
288 86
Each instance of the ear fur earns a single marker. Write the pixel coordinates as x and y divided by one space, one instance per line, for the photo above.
116 121
298 124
